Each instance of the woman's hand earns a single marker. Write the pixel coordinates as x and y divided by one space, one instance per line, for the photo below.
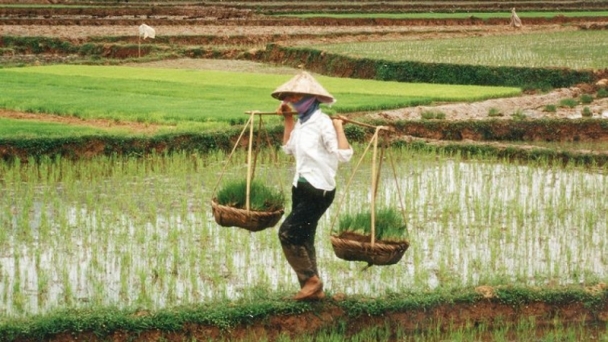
338 122
285 110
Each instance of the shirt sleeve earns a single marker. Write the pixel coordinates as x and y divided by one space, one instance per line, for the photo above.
288 148
330 140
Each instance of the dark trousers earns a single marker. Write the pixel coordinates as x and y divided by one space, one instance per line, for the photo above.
297 232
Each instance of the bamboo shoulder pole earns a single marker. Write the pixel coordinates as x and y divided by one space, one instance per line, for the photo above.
257 112
363 124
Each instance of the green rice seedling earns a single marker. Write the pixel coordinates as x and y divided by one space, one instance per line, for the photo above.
518 115
493 112
262 198
534 50
586 99
427 115
550 108
569 102
432 114
601 93
587 112
389 224
98 218
181 100
448 15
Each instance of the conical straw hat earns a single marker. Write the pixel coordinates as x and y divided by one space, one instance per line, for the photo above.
303 83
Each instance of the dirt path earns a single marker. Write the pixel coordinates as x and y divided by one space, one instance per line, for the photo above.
531 106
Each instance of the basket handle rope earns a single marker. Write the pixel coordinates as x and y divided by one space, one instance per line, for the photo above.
236 144
375 173
273 152
399 194
251 157
376 168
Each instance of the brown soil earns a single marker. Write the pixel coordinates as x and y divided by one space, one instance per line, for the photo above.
254 34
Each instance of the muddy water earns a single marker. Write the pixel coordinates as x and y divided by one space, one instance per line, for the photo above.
151 240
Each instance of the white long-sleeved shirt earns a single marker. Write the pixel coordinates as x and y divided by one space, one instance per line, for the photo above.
314 144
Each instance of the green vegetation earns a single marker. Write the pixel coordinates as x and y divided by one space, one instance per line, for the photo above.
433 115
550 108
259 305
144 224
518 115
453 15
587 112
389 224
402 69
570 146
586 99
493 112
586 50
23 129
569 102
187 100
262 197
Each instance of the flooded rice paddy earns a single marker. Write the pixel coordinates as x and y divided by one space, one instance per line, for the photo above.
139 231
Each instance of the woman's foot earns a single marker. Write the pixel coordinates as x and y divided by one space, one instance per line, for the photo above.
312 290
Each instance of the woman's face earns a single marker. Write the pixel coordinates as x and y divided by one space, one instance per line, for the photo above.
293 98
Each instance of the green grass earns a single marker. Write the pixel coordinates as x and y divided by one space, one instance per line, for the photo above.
458 15
12 128
568 102
550 108
187 99
571 49
223 318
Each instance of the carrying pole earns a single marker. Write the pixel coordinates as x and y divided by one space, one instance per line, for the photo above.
363 124
257 112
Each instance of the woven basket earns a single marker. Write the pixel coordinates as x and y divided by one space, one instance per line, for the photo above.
355 247
251 220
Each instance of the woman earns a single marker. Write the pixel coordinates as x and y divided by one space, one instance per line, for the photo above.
318 144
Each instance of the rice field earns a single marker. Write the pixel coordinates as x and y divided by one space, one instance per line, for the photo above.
568 49
138 232
448 15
